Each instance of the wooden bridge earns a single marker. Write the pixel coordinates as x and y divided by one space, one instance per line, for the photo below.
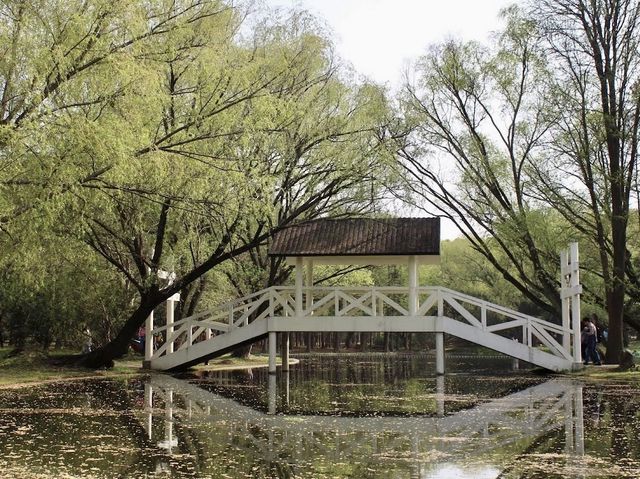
414 308
440 310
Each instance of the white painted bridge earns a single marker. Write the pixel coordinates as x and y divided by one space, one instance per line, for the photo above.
414 309
373 309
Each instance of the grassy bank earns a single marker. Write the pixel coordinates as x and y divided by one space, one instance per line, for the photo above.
34 367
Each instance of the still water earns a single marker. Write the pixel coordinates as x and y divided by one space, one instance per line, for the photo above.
329 417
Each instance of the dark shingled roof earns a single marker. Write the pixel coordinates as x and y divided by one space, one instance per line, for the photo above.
359 237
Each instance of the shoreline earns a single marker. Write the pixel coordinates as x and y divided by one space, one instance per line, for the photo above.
35 369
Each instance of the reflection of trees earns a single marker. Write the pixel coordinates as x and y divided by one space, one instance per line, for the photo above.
612 426
84 422
625 432
363 385
549 441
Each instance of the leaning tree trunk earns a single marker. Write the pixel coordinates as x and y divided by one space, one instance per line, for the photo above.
119 346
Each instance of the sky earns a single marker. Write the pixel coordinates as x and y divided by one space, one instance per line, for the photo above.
380 37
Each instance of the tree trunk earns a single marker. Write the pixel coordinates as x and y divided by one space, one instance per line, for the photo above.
615 299
242 352
364 341
103 357
349 340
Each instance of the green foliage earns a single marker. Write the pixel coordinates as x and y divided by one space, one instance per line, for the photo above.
168 136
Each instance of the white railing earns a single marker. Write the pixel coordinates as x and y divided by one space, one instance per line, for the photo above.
362 302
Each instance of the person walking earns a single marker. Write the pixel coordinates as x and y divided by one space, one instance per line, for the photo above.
591 353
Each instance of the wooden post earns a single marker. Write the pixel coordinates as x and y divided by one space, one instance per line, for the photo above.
576 289
413 283
439 353
299 278
285 351
309 301
148 337
170 319
565 301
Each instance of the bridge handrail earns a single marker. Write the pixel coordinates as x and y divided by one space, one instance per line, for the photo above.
499 309
237 312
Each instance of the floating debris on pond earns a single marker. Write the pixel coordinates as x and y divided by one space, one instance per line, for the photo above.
328 418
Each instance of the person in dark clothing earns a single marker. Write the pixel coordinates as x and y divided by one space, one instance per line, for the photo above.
591 353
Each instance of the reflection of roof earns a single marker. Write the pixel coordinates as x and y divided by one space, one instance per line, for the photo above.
359 237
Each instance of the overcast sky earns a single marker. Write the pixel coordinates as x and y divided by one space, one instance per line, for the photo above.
379 36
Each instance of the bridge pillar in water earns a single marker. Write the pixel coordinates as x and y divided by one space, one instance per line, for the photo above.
272 394
148 409
272 352
440 396
439 353
285 351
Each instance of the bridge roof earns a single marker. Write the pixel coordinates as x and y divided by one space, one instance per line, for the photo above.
358 237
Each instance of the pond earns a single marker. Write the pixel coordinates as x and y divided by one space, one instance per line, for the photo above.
377 416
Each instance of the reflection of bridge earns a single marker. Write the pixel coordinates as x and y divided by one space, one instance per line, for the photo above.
490 427
412 309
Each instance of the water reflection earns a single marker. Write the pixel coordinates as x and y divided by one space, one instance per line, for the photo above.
367 386
469 441
240 425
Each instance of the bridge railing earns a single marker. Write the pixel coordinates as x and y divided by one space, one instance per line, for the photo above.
365 302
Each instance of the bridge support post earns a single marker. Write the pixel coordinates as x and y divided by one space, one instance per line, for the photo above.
570 297
439 353
575 302
171 305
272 352
299 289
413 285
285 352
148 338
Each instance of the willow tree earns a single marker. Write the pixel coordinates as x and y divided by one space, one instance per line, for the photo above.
328 149
593 48
547 121
477 119
151 132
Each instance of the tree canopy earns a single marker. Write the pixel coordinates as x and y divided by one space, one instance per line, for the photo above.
140 138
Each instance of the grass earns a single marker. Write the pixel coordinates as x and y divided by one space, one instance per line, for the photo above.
606 372
35 367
